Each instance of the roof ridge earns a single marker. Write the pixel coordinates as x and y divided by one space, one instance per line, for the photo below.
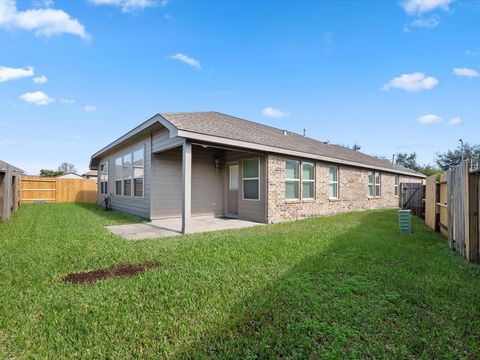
385 162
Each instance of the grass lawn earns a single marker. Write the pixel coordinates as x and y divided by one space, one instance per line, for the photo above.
348 286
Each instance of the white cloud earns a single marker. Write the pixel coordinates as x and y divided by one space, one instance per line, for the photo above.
471 53
44 22
37 98
272 112
466 72
455 121
7 73
418 7
429 119
428 23
130 5
40 79
67 101
187 60
89 108
411 82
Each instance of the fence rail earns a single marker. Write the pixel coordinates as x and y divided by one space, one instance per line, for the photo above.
36 188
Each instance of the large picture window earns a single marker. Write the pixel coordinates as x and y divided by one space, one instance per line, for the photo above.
374 180
292 179
308 180
251 179
333 182
118 176
138 173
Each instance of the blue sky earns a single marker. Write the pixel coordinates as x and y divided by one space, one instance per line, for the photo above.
391 76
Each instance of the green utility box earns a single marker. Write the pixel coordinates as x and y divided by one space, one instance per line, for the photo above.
405 221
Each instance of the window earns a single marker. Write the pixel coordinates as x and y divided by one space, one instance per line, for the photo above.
292 179
127 174
233 177
308 180
104 178
374 184
138 174
333 182
118 176
251 179
377 184
395 186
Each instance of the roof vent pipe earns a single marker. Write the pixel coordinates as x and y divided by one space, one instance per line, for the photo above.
304 131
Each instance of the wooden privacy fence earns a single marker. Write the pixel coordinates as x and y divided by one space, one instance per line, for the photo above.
411 198
451 207
36 188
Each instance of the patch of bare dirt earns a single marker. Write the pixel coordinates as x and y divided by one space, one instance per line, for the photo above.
102 274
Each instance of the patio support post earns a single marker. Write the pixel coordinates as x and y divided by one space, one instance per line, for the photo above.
187 186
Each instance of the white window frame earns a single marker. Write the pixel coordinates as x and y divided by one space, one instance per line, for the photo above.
103 176
308 180
133 173
375 184
255 178
379 184
121 175
230 166
126 155
291 180
396 183
333 183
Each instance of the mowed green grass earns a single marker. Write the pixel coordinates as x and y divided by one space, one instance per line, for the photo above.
347 286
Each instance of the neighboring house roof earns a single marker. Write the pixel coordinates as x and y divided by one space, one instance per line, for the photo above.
4 165
71 176
90 173
225 129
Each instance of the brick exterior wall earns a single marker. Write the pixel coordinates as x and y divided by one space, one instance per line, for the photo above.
353 192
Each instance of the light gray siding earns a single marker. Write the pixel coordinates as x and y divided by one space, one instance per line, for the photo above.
139 206
254 210
207 183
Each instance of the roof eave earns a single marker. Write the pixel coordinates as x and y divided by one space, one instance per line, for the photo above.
157 118
272 149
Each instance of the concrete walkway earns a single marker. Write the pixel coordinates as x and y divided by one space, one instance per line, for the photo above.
172 227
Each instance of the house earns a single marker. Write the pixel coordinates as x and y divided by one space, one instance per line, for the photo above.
91 175
199 163
71 176
10 177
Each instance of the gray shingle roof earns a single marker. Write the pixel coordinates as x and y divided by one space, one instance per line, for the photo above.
230 127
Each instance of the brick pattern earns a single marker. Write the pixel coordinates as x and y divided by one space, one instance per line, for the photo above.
353 192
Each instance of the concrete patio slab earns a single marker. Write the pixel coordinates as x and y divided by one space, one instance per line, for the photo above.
172 227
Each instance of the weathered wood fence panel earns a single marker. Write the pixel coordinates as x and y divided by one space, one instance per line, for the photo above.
10 177
474 201
431 200
457 208
36 188
443 205
411 198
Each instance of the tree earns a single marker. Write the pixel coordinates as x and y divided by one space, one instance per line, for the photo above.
66 168
50 173
356 147
408 160
430 170
454 157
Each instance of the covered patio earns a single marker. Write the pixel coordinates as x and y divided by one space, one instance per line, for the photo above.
173 227
200 187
